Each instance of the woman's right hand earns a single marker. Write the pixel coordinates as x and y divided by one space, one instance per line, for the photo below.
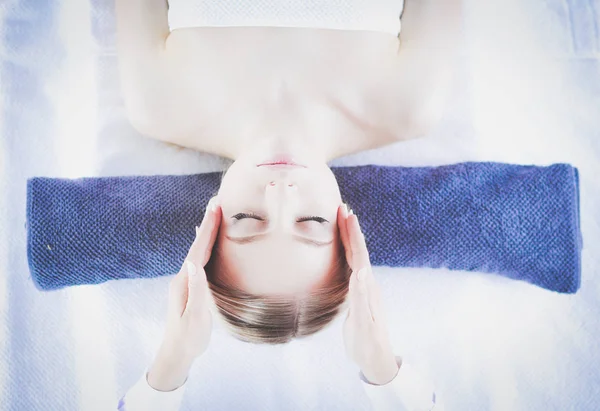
189 322
365 333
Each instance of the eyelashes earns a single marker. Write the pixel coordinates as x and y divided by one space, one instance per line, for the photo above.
313 218
241 216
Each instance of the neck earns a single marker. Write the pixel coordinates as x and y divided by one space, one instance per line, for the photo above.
292 125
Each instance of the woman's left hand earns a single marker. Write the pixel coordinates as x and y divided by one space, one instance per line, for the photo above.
365 335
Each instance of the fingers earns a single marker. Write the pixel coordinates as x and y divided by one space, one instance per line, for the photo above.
178 293
342 220
358 247
364 293
358 290
360 310
198 255
197 288
374 296
206 234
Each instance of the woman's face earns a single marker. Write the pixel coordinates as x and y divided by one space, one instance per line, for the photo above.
278 234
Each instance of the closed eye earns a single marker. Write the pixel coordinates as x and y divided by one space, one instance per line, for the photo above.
241 216
313 218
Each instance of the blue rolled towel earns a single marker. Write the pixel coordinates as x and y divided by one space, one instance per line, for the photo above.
518 221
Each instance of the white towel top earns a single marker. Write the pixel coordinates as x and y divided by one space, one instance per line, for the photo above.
371 15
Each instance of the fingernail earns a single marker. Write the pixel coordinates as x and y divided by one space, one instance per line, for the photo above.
191 268
215 204
197 231
351 212
210 206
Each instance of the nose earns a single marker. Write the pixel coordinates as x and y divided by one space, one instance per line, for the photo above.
281 198
274 183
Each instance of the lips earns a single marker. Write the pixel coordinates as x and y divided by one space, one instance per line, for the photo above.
279 163
281 166
280 160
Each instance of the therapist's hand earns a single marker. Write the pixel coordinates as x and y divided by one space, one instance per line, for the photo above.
189 322
365 334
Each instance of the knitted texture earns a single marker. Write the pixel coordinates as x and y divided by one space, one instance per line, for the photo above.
518 221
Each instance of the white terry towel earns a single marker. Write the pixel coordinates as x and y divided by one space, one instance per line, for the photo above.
372 15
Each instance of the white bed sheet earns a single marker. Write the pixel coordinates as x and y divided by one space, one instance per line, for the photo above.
528 93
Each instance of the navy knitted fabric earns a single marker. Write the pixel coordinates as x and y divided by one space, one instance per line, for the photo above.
513 220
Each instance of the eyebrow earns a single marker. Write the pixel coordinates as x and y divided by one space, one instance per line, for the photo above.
299 238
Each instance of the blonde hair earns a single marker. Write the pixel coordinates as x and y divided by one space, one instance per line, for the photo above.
262 319
276 320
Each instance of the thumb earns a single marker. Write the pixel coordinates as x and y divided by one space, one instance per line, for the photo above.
197 287
359 299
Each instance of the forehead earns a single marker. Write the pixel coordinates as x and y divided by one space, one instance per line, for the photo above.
277 264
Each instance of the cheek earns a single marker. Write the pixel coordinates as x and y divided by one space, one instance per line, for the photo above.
328 189
232 186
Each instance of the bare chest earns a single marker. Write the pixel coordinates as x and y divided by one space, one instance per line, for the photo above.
227 79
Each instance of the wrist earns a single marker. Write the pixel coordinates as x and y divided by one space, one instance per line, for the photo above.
169 369
172 352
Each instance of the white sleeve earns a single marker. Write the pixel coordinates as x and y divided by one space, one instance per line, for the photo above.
142 397
408 391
